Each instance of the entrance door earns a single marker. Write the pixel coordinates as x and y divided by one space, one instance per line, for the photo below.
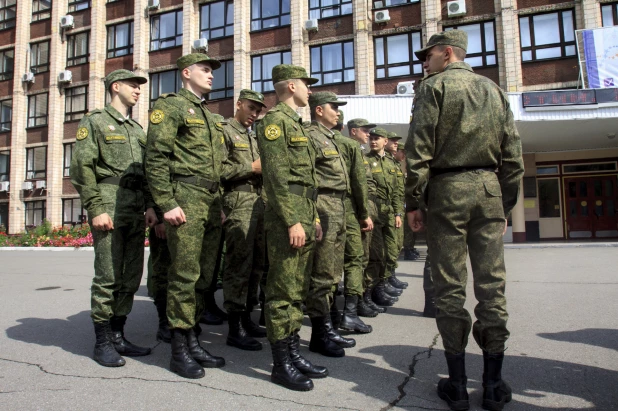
592 207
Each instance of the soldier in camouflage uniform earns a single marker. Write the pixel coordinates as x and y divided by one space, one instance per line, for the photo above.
291 224
472 159
183 165
244 224
409 252
107 170
159 263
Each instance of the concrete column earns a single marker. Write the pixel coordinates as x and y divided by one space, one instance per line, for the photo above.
509 55
591 11
299 12
431 11
363 49
190 25
519 218
242 46
141 63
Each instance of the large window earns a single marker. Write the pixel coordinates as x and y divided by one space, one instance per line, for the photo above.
481 43
77 5
223 83
395 55
77 48
41 9
166 30
547 36
319 9
75 103
262 67
6 64
36 163
35 213
333 63
37 110
378 4
217 19
5 165
6 115
8 10
609 13
68 156
266 14
164 82
73 212
120 40
39 57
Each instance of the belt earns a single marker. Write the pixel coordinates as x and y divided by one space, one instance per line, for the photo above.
438 171
130 183
246 187
212 186
303 191
341 194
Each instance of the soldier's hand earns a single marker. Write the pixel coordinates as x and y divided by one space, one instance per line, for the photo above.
151 217
102 222
506 225
223 217
318 232
297 235
160 231
415 220
175 216
256 166
397 221
366 224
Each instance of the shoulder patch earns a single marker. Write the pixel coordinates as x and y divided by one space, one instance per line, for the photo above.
156 116
82 133
272 132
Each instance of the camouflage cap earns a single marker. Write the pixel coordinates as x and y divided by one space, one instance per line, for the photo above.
283 72
246 94
193 58
455 38
401 147
360 122
123 74
379 132
393 136
323 97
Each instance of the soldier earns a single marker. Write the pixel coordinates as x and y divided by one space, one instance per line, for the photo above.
472 159
183 163
244 223
108 172
159 263
291 224
409 252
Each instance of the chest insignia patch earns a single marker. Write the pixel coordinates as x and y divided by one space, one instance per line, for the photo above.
111 128
374 164
156 117
191 111
237 137
82 133
272 132
325 142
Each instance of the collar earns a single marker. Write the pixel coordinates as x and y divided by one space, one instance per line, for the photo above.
190 96
237 126
116 114
284 108
459 65
323 129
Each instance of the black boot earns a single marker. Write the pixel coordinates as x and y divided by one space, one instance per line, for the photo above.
337 338
320 342
409 254
395 282
262 320
302 364
284 372
496 392
380 297
212 307
104 351
351 321
370 303
121 344
210 318
335 315
238 336
390 290
363 309
430 309
163 333
182 363
199 354
252 328
453 389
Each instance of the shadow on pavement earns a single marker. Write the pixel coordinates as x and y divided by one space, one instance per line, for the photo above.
600 337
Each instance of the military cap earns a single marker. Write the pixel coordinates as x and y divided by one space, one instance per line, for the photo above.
394 136
401 148
379 132
123 74
246 94
323 97
455 38
193 58
283 72
360 122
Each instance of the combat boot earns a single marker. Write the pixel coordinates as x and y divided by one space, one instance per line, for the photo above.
335 337
335 315
430 309
262 320
210 318
199 354
396 282
390 290
284 372
409 254
238 336
182 363
250 327
380 297
320 342
301 363
121 344
104 351
496 392
350 320
212 307
370 303
163 333
453 389
363 309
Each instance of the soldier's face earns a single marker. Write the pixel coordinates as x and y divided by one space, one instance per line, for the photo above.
247 112
377 143
436 60
200 77
360 134
400 155
391 146
128 92
328 115
301 93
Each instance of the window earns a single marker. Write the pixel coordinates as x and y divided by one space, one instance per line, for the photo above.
4 216
41 9
120 40
73 212
217 19
266 14
545 170
588 168
262 68
395 55
39 57
164 82
6 64
549 198
36 163
68 155
547 36
37 110
35 213
6 115
166 30
378 4
77 5
77 48
319 9
481 44
609 12
223 83
8 10
5 165
75 103
333 63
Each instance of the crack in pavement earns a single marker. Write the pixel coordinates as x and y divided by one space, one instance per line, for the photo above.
44 389
40 367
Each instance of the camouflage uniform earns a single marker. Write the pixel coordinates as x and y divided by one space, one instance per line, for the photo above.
392 261
372 209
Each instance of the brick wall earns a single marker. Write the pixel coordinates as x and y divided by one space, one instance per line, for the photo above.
81 19
332 27
80 72
170 3
550 71
164 57
41 82
389 86
221 47
473 8
40 28
6 87
523 4
124 62
119 9
67 186
271 38
223 107
339 89
70 130
5 140
36 135
401 16
7 36
491 72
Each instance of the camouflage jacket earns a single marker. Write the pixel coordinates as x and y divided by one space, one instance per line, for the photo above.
401 183
330 167
107 145
240 151
384 173
371 183
184 140
462 119
355 167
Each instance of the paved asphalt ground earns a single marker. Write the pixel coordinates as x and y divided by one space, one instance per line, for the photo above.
562 353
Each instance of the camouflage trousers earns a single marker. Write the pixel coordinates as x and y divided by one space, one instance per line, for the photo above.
428 287
353 256
159 264
409 240
289 271
392 261
193 248
366 239
328 256
465 215
245 256
383 245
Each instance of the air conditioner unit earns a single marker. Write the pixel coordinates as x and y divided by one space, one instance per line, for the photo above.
41 184
27 185
381 16
200 44
456 8
405 87
153 4
28 77
65 76
66 22
311 25
4 186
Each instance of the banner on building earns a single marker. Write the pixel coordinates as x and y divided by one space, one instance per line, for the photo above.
600 52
